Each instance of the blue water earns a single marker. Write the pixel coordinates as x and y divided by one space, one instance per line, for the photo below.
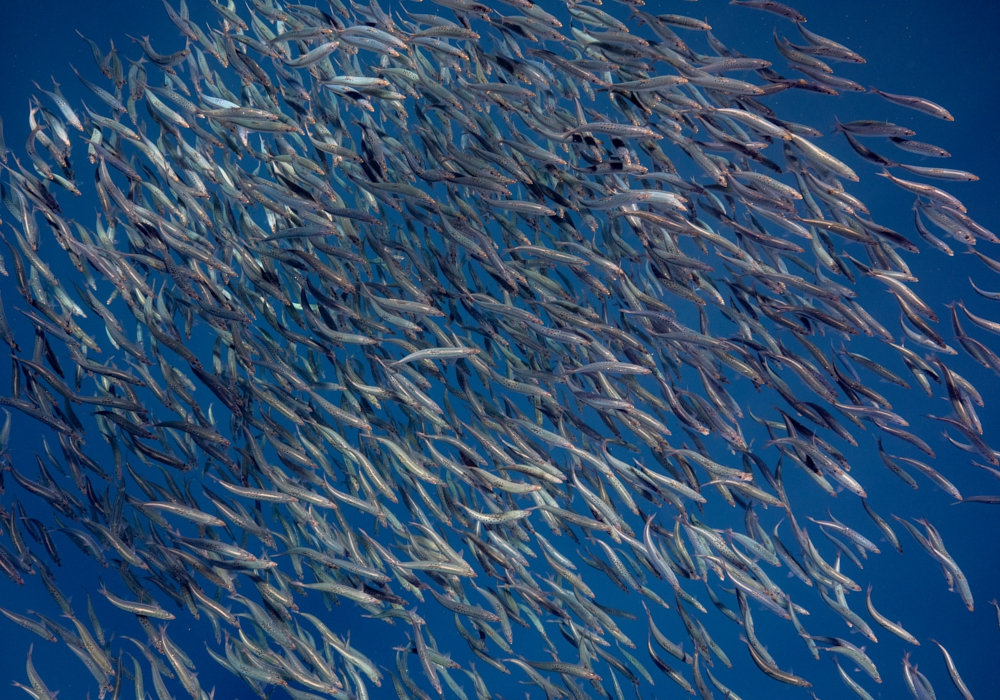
943 51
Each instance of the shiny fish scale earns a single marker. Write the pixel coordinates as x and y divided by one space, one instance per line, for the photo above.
528 261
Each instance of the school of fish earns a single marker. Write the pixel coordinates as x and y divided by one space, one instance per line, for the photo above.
434 314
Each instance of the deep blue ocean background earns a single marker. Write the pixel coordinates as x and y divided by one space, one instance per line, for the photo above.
945 51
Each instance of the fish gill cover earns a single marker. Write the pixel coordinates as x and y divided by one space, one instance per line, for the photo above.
455 348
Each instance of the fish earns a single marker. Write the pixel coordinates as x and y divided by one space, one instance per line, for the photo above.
396 274
953 672
918 103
